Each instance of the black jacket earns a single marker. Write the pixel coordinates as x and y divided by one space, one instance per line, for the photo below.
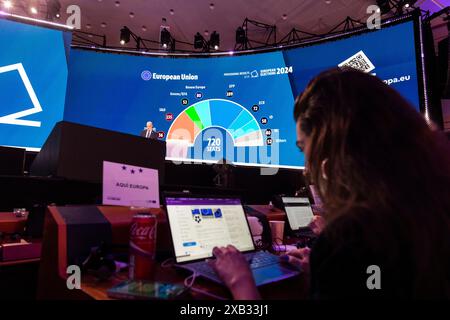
153 134
341 255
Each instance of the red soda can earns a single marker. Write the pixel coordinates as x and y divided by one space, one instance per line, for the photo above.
142 247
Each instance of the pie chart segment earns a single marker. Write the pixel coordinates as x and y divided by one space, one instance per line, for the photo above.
226 114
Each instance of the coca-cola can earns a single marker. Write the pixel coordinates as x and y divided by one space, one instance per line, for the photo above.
142 247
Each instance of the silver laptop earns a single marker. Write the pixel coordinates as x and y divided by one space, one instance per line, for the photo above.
198 224
299 214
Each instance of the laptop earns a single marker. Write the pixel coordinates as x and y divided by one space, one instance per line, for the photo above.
299 215
198 224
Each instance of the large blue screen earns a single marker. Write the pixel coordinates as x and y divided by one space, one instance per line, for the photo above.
33 80
235 107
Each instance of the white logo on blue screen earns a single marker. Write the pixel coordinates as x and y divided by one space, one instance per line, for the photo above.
15 118
254 74
147 75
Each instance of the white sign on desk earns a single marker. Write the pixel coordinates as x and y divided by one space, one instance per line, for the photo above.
125 185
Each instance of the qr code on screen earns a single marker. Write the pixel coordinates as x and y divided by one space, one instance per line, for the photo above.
358 61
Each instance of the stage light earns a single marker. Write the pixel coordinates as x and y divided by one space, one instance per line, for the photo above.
214 40
198 41
241 38
53 9
125 35
409 4
7 4
384 6
166 38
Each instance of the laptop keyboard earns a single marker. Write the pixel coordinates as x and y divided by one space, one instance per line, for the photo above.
205 269
257 260
262 259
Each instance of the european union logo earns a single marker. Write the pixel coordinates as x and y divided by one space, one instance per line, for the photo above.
146 75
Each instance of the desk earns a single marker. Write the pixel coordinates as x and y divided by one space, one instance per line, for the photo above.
272 213
17 252
52 277
9 223
18 279
290 289
18 273
19 262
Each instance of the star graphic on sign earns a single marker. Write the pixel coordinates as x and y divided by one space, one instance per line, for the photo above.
140 170
132 171
124 168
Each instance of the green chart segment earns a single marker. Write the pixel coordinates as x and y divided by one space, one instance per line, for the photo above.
238 121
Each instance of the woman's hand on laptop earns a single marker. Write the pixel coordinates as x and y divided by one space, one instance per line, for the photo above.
299 258
317 224
234 270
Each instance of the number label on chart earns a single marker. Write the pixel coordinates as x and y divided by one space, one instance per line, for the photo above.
214 144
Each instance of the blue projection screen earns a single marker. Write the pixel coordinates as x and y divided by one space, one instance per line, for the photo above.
234 107
33 80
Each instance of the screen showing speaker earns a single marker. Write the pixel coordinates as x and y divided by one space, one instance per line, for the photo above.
33 80
233 107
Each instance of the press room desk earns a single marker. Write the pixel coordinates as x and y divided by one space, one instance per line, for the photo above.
52 284
272 213
294 288
9 223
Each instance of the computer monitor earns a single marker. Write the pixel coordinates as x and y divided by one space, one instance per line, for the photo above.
298 211
198 225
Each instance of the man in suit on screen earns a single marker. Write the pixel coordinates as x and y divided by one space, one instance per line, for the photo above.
149 132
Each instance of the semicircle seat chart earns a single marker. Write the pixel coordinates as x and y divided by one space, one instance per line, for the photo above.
228 115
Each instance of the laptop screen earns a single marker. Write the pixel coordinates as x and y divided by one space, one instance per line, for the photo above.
298 211
200 224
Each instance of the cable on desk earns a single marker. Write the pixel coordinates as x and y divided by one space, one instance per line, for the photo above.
189 283
168 263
